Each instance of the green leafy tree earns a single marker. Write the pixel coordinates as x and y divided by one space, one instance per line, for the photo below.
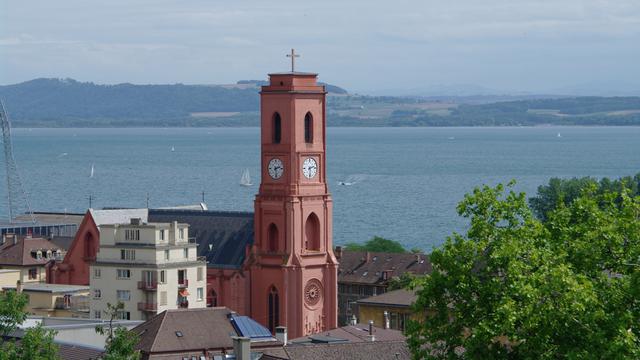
401 282
120 343
37 343
12 311
377 244
516 287
564 191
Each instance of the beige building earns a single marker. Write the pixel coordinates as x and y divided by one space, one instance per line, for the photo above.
9 277
54 300
28 255
149 267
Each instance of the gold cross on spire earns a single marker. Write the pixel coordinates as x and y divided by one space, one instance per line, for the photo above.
293 57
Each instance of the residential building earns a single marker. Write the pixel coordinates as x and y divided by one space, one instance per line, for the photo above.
391 310
9 277
53 300
199 334
29 255
149 267
363 274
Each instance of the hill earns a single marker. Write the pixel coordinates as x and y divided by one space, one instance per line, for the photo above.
69 103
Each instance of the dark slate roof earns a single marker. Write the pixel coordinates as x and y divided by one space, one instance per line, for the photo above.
369 267
399 298
392 350
64 242
227 232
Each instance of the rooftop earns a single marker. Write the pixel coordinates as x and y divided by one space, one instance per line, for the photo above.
377 267
25 251
399 298
50 288
350 333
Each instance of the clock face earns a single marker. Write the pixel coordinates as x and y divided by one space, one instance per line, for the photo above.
276 168
309 168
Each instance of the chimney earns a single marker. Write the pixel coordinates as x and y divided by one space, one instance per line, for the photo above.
15 239
386 319
338 252
242 347
368 256
19 287
370 336
354 320
418 258
281 334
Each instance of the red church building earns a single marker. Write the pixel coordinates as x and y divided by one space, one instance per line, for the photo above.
277 264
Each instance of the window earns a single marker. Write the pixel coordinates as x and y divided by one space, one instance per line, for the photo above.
312 233
273 309
181 234
132 234
127 254
162 235
124 315
200 272
33 273
272 238
97 314
166 254
277 128
200 293
163 298
96 273
97 294
123 273
308 128
49 253
162 277
182 277
39 255
124 295
185 252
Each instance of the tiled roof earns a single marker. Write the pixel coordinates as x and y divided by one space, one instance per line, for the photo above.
353 333
222 236
370 267
184 330
399 297
391 350
19 254
68 351
51 288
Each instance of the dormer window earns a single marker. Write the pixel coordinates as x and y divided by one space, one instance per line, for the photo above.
39 255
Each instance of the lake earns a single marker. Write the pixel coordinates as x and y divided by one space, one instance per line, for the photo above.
406 182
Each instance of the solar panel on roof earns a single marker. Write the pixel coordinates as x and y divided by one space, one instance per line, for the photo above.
246 326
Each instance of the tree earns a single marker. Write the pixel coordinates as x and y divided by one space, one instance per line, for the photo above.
377 244
516 287
120 343
37 343
12 312
566 190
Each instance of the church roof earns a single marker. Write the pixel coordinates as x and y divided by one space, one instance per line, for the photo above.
222 236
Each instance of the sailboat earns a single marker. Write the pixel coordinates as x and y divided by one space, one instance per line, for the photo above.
173 148
245 180
92 169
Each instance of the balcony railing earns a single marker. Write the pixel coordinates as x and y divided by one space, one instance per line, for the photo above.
144 306
183 283
148 286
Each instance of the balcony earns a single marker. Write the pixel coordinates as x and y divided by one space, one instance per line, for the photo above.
144 306
183 283
148 286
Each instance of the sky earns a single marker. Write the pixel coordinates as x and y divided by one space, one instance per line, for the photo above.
508 46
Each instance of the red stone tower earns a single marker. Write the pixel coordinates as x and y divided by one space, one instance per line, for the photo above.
293 269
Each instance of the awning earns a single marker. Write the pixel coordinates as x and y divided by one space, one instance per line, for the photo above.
184 293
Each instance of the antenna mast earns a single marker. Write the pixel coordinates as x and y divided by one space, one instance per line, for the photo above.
16 194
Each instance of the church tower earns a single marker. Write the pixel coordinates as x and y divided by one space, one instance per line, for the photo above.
293 268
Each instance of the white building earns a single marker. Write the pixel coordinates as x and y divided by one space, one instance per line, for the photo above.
150 267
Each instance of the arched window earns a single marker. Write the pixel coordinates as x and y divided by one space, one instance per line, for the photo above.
277 128
88 245
212 301
272 238
308 128
273 309
312 233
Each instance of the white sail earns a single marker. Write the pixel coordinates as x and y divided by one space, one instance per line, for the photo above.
245 180
91 175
